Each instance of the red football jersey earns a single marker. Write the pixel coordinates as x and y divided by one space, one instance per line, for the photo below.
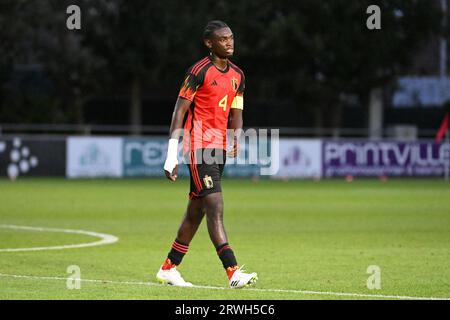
213 93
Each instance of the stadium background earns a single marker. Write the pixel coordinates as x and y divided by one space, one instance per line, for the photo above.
313 71
349 102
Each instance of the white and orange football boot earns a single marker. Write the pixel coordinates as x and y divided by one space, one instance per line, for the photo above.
239 278
168 274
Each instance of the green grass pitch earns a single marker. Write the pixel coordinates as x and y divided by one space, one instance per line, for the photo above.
299 236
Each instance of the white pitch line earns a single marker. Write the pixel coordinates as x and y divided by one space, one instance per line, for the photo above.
105 238
306 292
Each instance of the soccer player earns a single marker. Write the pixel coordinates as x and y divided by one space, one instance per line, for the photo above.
212 94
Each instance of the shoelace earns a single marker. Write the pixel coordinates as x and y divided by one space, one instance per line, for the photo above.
177 274
175 271
241 268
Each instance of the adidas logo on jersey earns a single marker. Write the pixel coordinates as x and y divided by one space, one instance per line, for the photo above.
214 83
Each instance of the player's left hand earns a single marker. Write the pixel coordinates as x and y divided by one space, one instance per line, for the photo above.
234 151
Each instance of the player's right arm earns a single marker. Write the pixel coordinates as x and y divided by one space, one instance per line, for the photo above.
171 165
185 97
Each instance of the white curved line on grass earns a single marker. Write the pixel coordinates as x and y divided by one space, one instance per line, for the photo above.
306 292
105 238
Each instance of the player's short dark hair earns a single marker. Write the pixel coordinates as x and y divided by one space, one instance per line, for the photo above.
213 26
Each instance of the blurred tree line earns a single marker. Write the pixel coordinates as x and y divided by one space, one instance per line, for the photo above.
314 55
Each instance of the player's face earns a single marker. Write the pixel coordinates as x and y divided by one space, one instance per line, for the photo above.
222 43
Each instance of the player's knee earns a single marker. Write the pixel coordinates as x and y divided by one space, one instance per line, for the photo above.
216 213
195 218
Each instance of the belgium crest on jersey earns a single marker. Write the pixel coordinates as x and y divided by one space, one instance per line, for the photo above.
234 83
208 182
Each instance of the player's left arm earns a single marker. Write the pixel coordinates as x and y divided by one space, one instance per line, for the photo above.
236 120
235 123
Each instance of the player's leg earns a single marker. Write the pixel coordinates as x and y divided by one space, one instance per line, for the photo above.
186 231
191 221
213 205
207 176
192 217
189 225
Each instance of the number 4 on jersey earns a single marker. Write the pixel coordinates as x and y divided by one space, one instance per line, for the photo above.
223 103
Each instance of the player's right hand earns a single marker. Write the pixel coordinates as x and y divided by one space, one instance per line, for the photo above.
171 166
171 163
172 176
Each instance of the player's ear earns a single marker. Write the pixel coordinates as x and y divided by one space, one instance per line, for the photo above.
208 43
